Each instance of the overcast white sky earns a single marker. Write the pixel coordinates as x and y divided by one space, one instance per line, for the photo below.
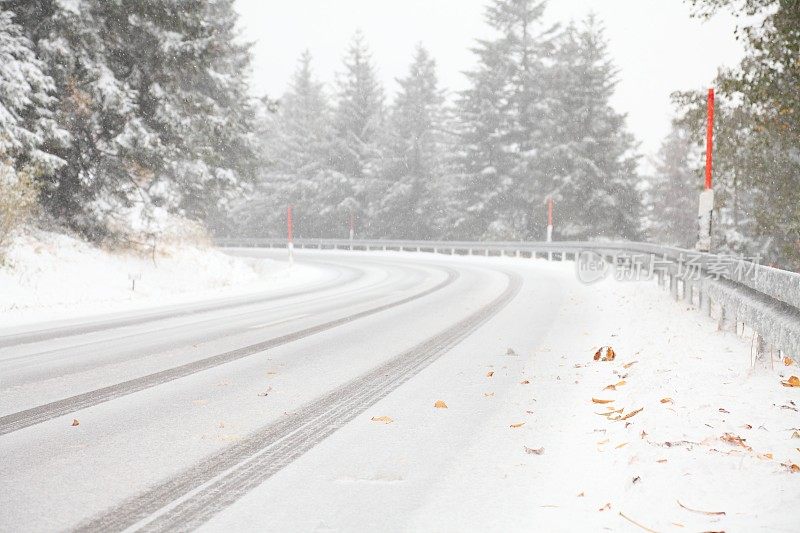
655 44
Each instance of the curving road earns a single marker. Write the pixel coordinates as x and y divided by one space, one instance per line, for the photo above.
188 415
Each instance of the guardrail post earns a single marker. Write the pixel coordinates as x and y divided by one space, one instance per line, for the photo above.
673 286
688 291
703 300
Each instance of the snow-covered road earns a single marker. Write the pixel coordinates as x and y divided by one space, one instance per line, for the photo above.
312 408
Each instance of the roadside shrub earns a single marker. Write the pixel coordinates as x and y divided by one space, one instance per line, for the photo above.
18 193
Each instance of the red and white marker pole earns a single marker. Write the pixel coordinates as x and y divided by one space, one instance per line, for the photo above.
289 234
706 207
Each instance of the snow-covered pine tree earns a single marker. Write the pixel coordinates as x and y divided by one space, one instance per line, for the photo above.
26 105
359 134
298 146
189 71
500 128
411 207
589 160
96 111
673 192
26 126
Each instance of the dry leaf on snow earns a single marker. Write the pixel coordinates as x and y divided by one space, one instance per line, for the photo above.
75 422
628 365
605 353
534 451
382 419
490 373
488 394
524 382
666 400
793 381
735 440
598 400
440 404
518 425
788 361
632 413
618 446
615 385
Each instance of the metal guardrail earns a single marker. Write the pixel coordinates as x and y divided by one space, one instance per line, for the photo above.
735 291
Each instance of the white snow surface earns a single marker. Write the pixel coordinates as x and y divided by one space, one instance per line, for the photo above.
465 467
50 276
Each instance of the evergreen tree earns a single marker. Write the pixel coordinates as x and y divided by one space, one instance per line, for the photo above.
95 109
673 192
411 206
26 106
501 114
589 161
299 145
359 129
189 73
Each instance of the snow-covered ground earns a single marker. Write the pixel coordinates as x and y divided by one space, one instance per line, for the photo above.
523 445
523 440
49 276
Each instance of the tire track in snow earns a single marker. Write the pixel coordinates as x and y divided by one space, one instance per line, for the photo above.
36 415
188 500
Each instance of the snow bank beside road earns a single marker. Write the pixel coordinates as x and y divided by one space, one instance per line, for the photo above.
49 276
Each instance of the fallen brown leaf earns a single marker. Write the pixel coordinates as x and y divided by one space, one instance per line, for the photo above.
615 385
735 440
534 451
605 507
581 495
765 456
382 419
788 361
601 442
632 413
618 446
709 513
518 425
440 404
75 422
666 400
597 400
628 365
794 468
605 353
793 381
524 382
490 373
488 394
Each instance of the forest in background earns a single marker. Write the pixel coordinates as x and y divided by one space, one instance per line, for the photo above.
117 115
